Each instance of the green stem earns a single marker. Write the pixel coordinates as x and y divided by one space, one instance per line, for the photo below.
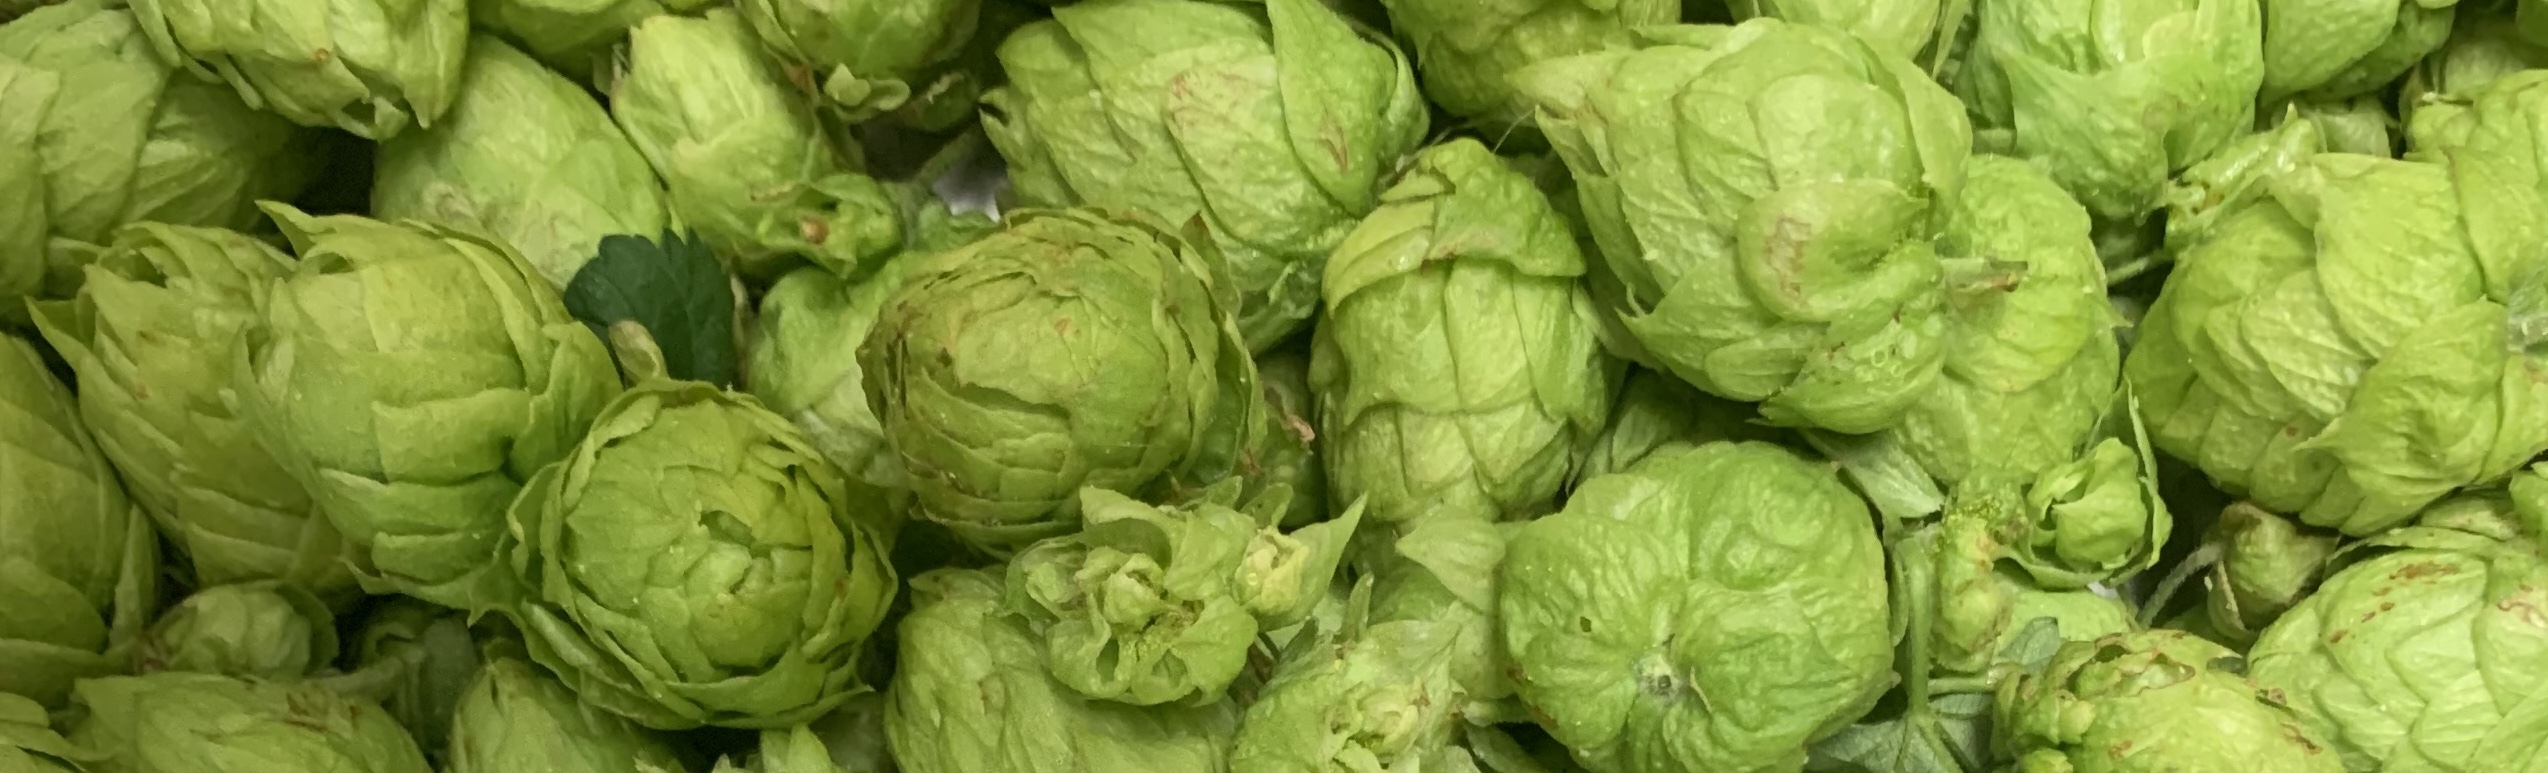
2161 595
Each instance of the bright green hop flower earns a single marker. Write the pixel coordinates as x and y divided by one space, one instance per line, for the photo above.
1393 690
178 722
1149 605
1983 604
412 376
1710 608
1465 49
794 750
1787 266
1271 124
79 563
2359 125
2351 338
2267 564
82 97
574 36
369 67
2424 652
1458 365
959 643
1903 28
153 336
434 658
525 156
2336 49
2483 46
2113 98
746 161
696 561
867 56
1076 348
28 743
516 719
260 630
2150 702
2031 360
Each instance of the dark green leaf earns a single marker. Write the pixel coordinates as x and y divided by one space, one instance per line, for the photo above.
676 289
1951 735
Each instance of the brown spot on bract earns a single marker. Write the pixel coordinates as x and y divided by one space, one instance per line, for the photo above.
1342 152
2292 733
2120 749
322 56
815 231
1062 325
2338 637
2423 569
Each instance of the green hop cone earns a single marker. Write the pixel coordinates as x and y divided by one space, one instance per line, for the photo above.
177 722
1458 366
2483 47
433 658
369 67
96 132
1149 605
1903 28
260 630
696 561
1790 263
79 564
747 163
2425 651
1379 698
958 644
853 735
2485 128
28 743
2335 49
2150 702
1076 348
2031 359
573 36
1395 689
2113 98
2359 125
1710 608
2350 338
516 719
2097 519
1272 125
2267 564
1984 605
794 750
1465 49
153 336
867 56
412 377
525 156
